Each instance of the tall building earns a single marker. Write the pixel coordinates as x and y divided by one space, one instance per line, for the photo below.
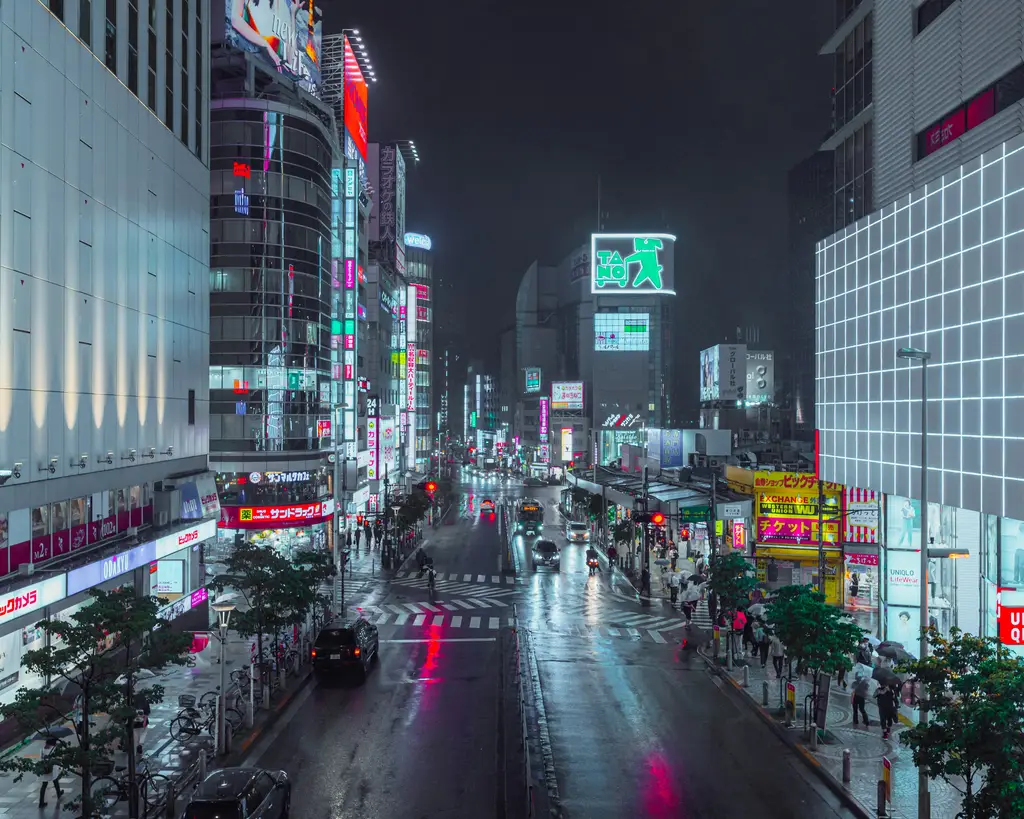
419 269
480 427
938 267
104 285
811 218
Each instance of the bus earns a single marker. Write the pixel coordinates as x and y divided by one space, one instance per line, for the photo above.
529 517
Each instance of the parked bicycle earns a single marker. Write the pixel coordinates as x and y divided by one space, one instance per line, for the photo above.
108 790
192 721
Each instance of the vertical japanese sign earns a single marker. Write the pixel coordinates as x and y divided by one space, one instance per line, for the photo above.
543 429
371 445
387 169
410 376
400 213
349 335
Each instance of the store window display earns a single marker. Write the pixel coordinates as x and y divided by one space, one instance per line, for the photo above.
861 581
1011 543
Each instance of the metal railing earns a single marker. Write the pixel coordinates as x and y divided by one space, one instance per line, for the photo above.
525 739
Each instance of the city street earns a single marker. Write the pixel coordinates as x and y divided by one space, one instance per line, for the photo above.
632 727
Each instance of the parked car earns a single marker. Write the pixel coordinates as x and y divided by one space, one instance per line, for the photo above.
577 532
241 793
345 644
532 481
545 553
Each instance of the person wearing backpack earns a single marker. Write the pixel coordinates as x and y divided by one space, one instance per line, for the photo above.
761 641
778 652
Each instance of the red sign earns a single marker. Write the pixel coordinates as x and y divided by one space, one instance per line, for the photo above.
422 292
323 429
273 517
355 100
981 108
242 170
739 534
953 126
1011 626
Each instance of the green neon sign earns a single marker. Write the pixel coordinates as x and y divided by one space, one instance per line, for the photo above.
625 263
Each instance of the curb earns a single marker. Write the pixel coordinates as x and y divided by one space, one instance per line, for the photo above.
833 784
257 731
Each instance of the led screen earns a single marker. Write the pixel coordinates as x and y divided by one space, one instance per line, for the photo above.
285 34
622 332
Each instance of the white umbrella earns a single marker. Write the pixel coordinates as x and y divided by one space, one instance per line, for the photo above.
756 610
874 641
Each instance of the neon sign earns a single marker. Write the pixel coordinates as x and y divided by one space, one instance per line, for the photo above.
631 263
242 170
418 240
241 202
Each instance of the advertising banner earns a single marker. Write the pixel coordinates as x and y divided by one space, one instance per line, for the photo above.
709 374
760 377
355 101
903 579
286 34
862 515
628 263
274 517
1011 626
387 448
567 395
371 447
533 379
417 240
566 444
26 600
786 507
544 419
622 332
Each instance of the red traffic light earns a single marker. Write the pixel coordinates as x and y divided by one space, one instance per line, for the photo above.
657 518
430 486
359 520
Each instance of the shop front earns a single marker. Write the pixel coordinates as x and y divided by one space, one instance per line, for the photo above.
288 529
779 566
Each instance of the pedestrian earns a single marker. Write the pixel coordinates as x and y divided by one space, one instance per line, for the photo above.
864 652
888 708
748 636
51 773
761 639
778 653
673 586
861 687
359 534
612 554
645 582
841 676
348 538
673 556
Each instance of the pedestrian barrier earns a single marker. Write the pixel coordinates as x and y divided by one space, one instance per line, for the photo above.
520 671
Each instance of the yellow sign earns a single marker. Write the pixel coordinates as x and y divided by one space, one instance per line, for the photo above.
245 514
740 480
793 483
887 778
791 695
718 528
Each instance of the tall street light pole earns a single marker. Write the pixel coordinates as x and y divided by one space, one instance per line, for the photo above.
223 606
913 354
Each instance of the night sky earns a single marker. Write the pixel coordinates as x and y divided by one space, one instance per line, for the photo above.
691 118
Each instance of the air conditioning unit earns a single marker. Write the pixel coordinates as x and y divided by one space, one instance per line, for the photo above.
27 569
133 531
162 519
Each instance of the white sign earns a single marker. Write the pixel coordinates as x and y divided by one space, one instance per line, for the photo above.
24 601
418 240
760 377
371 446
387 447
566 444
169 544
567 395
903 578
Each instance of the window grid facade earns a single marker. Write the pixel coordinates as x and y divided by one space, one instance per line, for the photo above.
185 123
169 66
942 269
199 73
85 22
854 72
110 37
133 45
854 174
152 57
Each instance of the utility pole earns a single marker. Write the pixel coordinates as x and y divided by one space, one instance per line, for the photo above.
712 514
645 558
821 536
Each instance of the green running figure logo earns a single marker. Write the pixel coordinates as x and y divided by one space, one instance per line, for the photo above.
611 268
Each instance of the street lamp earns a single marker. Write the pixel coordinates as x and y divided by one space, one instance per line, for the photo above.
913 354
223 606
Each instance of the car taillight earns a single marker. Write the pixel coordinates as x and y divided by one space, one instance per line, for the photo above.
357 652
314 653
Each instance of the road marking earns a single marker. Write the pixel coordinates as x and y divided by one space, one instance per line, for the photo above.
418 619
474 622
438 620
632 632
382 619
396 609
481 578
466 578
495 578
614 632
457 622
413 608
449 606
493 623
429 607
464 605
452 576
400 619
656 636
445 640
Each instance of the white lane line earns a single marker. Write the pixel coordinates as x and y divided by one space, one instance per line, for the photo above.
474 622
380 621
457 623
495 578
657 637
396 609
445 640
412 607
614 632
490 601
438 620
449 606
467 577
400 619
492 623
418 619
632 632
429 607
463 604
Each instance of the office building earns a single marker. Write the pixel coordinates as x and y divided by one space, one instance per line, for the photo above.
419 270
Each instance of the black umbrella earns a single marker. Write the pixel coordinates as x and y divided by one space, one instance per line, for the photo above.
884 675
54 732
894 651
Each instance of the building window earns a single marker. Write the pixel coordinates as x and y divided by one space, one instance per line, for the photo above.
854 73
133 46
110 37
199 80
151 34
854 165
929 11
57 9
184 72
169 67
844 8
85 21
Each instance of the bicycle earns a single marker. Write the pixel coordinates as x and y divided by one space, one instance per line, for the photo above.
108 790
190 723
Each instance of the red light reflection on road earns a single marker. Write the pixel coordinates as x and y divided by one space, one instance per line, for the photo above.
659 796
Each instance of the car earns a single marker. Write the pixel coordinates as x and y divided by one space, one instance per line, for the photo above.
486 505
577 532
531 481
241 793
345 644
545 553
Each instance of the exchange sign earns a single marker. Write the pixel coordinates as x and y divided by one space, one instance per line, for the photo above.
632 263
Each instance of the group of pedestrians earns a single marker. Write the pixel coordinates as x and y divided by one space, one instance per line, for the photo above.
374 535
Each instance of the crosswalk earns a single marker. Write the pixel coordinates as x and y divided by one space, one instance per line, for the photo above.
399 613
459 587
496 579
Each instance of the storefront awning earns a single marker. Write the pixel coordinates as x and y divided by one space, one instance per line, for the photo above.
832 552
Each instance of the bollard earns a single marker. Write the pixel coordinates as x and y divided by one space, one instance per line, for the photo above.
746 676
202 755
282 677
814 737
881 799
227 744
847 762
172 800
764 693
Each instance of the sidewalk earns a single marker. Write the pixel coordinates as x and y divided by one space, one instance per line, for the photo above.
865 744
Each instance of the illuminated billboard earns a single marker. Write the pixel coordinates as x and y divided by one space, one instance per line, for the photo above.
626 263
622 332
533 379
286 34
355 100
760 377
723 373
567 395
567 444
417 240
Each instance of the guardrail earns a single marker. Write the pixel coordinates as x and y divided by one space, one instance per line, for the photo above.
525 739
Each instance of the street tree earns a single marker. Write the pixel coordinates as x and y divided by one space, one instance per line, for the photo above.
93 659
314 569
819 637
732 580
271 588
973 689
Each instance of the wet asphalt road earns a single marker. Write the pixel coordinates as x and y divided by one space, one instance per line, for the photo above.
637 728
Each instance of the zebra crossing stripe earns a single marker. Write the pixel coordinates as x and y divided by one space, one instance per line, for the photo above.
396 609
614 632
452 576
495 578
467 577
429 607
464 604
438 620
632 632
474 622
412 608
457 622
656 636
418 619
481 578
449 606
380 621
401 619
492 623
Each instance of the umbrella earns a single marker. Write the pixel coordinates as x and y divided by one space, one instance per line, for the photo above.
661 561
873 641
70 689
756 610
54 732
884 675
895 652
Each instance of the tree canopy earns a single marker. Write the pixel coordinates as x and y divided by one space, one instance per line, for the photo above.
818 636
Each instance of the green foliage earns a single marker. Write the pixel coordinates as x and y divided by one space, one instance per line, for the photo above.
732 580
97 653
623 532
974 691
818 636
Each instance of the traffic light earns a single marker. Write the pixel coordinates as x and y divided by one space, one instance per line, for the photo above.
359 520
684 531
657 518
430 486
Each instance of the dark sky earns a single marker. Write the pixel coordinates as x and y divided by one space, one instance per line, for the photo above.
691 117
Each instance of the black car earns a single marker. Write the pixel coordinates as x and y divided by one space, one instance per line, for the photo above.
241 793
345 644
545 553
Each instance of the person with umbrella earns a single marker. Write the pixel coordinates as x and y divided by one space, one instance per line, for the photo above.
52 772
888 704
861 688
